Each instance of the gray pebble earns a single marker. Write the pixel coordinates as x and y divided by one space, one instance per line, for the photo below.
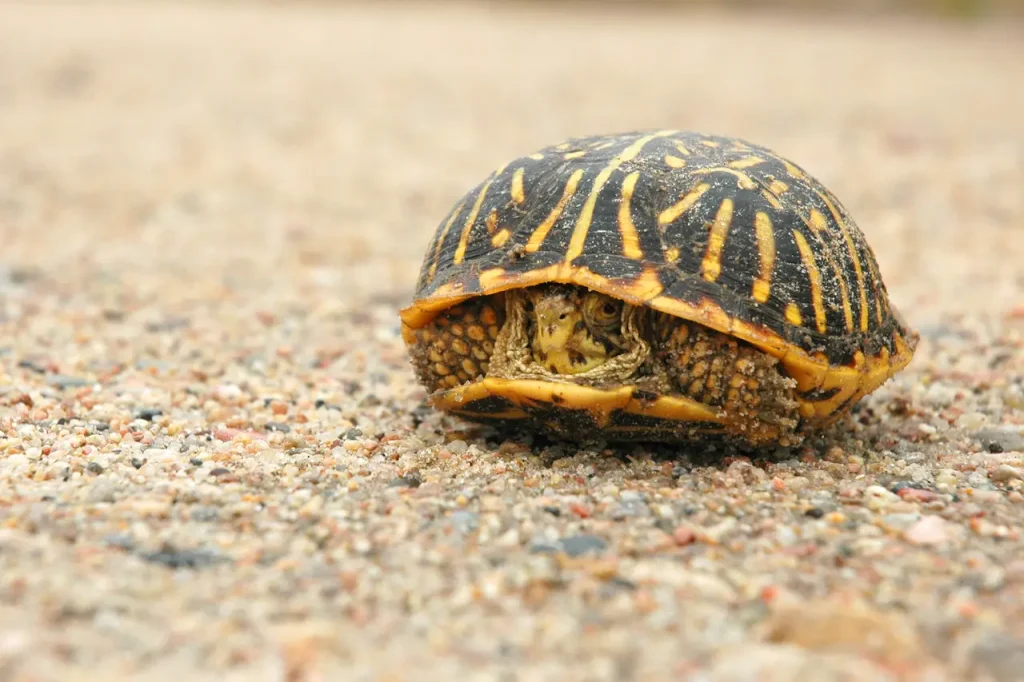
578 545
900 521
1009 439
62 381
465 521
204 513
998 657
979 480
102 491
184 558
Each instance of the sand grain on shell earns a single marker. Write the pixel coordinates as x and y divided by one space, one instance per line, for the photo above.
215 463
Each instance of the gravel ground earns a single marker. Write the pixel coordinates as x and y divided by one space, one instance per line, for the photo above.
216 462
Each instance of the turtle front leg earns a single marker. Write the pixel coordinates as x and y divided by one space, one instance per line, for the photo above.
456 346
755 399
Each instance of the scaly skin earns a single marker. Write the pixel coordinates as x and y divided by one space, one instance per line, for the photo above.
572 330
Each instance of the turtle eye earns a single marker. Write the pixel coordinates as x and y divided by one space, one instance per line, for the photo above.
602 311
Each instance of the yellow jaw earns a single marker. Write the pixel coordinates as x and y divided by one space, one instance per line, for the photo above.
561 341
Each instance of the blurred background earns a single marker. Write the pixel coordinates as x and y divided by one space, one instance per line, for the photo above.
144 141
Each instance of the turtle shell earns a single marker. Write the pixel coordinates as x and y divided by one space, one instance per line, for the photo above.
716 230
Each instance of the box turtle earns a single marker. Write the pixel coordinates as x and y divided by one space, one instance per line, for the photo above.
653 286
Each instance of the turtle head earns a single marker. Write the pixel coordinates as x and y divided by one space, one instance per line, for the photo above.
573 330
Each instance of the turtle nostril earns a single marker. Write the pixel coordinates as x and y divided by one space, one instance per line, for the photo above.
563 316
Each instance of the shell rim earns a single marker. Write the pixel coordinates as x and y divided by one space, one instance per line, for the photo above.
812 371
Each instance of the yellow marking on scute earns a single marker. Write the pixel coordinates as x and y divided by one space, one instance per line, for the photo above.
766 251
601 403
709 143
499 239
440 240
672 213
793 170
771 199
778 186
563 146
672 254
630 238
793 315
851 247
541 232
536 157
817 221
743 181
467 227
711 266
674 161
745 162
579 234
814 275
876 285
517 186
491 221
573 155
681 148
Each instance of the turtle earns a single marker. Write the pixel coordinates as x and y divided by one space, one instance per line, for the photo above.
655 285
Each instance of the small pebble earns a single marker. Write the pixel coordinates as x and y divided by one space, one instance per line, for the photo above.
578 545
1005 472
929 530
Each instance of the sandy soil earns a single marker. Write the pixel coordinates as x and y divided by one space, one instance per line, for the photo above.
215 460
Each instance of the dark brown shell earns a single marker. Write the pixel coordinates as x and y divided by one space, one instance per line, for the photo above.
717 230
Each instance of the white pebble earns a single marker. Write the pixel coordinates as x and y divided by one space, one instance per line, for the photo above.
971 421
876 497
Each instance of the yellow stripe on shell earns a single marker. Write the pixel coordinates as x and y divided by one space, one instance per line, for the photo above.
500 237
672 213
630 238
817 221
541 232
743 181
793 315
818 224
579 234
517 186
745 162
460 251
440 240
852 248
766 251
814 275
793 170
876 285
772 200
491 221
711 266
